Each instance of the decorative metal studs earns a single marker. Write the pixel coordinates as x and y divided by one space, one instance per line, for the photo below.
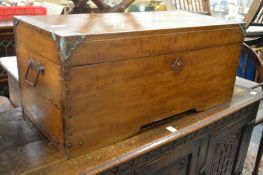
69 145
68 108
69 133
67 90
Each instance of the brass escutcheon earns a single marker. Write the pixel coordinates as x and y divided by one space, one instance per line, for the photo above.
177 65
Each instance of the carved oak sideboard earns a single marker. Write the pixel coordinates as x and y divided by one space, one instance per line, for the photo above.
211 142
7 48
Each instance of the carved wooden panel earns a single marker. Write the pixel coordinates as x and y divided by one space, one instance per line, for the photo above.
160 167
181 161
222 151
224 156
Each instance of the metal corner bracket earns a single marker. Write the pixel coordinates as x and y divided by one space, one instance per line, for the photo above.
66 45
243 28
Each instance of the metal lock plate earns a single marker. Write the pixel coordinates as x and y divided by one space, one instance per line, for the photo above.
177 65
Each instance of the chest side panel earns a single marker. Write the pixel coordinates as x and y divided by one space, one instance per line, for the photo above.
42 102
38 41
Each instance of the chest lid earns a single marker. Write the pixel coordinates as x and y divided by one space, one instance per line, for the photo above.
163 32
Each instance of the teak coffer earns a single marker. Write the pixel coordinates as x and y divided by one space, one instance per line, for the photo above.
88 81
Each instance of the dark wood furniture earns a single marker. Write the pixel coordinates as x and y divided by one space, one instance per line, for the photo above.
254 18
256 59
254 22
7 48
81 6
254 34
211 142
123 72
196 6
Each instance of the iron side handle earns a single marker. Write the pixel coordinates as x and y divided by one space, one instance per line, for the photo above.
35 66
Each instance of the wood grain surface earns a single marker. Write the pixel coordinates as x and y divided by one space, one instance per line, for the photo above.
43 103
125 24
110 79
118 98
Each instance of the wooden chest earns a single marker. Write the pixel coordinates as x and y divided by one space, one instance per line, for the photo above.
89 81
